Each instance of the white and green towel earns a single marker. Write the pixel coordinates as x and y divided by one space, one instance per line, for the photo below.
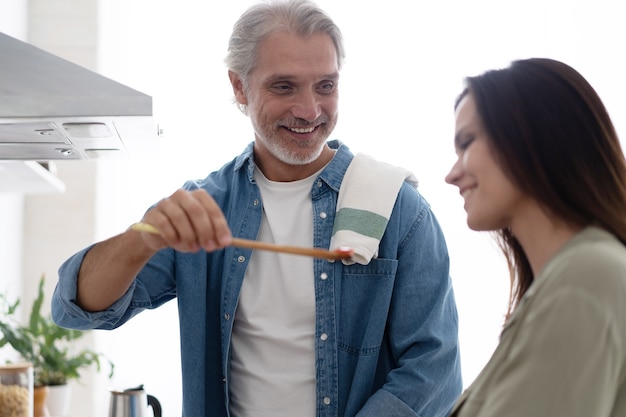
366 198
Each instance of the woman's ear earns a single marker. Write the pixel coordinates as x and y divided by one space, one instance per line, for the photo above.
238 89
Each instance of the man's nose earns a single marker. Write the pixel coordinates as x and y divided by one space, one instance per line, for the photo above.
307 106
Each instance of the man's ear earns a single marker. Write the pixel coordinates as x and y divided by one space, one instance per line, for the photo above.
238 89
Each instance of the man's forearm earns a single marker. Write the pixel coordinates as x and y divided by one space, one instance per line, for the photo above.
109 268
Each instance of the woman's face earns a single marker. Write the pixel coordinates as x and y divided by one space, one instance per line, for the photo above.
491 200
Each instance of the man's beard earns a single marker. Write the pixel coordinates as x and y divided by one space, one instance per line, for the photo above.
284 149
292 157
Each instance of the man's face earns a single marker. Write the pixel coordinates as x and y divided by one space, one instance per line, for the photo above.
291 98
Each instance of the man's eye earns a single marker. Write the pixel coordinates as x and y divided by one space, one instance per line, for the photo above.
282 87
327 87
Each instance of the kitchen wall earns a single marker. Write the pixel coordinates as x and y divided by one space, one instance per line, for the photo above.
11 218
38 232
13 19
13 22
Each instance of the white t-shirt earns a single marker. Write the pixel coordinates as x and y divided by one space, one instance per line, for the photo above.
273 342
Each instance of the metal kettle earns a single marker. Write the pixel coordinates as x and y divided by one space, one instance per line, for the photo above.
133 402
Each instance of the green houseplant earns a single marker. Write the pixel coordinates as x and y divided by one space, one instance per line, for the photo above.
44 344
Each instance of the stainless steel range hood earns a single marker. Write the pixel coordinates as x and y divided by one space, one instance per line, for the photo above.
53 109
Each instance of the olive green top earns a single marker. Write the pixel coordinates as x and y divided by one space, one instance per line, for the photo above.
563 351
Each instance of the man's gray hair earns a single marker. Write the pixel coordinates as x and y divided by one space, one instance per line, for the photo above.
301 17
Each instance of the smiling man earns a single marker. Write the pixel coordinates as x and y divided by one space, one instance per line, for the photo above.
272 334
291 97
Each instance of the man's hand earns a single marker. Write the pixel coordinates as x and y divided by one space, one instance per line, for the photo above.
187 221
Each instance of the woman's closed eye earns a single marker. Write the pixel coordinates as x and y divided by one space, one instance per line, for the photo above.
463 142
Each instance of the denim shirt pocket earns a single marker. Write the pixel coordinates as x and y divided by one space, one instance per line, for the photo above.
365 297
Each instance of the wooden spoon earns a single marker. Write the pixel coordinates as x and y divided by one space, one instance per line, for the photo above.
343 252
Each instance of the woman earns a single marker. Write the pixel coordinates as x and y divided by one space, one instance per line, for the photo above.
540 164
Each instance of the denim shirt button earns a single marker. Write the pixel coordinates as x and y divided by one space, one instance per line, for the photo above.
319 183
326 400
226 316
241 259
324 337
256 202
323 276
323 215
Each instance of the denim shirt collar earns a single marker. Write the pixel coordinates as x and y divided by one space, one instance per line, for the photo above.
332 175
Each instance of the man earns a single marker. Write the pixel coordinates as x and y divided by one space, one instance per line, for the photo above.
272 334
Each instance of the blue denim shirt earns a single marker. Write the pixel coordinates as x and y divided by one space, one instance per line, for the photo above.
391 332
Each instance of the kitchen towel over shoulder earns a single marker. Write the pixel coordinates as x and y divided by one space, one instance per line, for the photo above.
366 198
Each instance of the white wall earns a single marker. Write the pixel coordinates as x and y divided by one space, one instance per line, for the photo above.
13 23
11 207
13 18
405 64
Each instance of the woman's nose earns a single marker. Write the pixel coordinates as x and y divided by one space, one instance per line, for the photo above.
455 172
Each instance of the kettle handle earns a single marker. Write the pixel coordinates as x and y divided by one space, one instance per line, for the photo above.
155 404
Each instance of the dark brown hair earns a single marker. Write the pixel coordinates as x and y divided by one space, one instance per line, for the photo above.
554 139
